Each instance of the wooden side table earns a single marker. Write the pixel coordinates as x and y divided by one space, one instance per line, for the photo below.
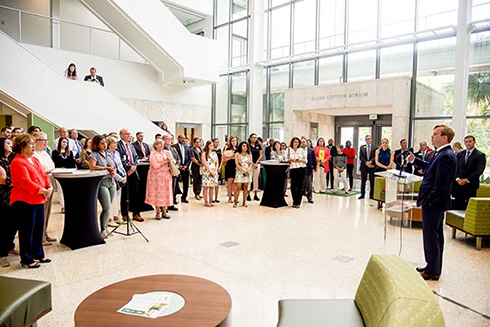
206 303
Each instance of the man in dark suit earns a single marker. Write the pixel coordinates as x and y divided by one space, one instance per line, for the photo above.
93 77
367 156
142 149
185 161
310 167
471 164
129 160
333 152
425 154
401 157
435 198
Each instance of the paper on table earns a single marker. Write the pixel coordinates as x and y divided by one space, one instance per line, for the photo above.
148 305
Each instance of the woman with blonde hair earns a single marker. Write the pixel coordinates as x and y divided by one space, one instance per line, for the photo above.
384 156
159 183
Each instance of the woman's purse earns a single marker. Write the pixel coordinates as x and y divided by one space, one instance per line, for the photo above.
173 169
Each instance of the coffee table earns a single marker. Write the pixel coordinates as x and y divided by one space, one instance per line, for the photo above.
206 303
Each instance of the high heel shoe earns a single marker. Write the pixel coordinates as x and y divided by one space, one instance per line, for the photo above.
28 265
45 260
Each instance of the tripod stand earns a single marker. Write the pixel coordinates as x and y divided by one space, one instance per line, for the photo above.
129 222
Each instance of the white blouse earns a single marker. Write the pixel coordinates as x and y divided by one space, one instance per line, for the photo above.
45 159
299 154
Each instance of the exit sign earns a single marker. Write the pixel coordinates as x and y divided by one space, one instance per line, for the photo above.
373 117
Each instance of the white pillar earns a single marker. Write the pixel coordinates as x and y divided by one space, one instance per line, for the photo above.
55 10
255 53
463 37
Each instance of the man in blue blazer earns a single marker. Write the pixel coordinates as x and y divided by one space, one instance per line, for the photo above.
310 167
435 197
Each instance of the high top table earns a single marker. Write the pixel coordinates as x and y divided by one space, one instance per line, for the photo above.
207 304
80 190
276 174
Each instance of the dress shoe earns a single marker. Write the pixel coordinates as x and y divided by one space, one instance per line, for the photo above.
125 218
176 202
44 260
184 201
311 201
173 208
256 198
165 216
4 262
138 218
249 198
361 197
31 265
427 276
420 269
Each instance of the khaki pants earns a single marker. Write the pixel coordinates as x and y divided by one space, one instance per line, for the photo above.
337 176
320 180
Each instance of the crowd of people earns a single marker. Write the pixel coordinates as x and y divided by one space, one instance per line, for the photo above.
27 185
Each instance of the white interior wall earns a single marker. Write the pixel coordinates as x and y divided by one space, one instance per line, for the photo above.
124 79
41 7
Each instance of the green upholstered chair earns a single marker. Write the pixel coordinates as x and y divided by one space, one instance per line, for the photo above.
379 187
475 220
391 293
23 301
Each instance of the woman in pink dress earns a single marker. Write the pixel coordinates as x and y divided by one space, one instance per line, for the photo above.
159 182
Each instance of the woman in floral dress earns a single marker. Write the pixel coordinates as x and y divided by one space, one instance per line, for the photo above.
209 159
243 160
159 182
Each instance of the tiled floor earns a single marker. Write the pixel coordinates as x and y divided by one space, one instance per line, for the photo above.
280 253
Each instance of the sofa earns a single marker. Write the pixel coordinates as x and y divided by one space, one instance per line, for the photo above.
475 220
23 301
391 293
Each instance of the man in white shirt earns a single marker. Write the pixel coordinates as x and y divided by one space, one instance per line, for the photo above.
71 143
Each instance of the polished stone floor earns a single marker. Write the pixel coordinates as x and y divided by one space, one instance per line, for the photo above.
318 251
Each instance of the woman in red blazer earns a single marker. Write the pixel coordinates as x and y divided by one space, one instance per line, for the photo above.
30 189
322 154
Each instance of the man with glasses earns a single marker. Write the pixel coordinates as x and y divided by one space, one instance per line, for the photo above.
129 191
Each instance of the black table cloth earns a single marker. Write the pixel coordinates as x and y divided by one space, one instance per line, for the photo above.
142 169
80 191
276 174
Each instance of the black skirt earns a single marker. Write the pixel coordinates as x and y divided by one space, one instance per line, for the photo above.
230 169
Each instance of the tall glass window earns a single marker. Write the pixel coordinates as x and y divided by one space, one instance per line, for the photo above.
362 65
435 78
280 32
397 17
239 43
304 26
303 73
437 13
396 61
238 98
331 23
331 70
363 16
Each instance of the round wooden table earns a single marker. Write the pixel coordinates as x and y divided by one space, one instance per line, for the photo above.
206 303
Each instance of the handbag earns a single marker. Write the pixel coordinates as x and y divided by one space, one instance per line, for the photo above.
173 169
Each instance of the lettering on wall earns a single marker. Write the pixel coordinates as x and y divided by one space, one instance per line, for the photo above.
340 96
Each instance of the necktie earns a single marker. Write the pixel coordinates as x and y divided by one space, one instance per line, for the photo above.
467 156
368 153
143 149
130 155
183 152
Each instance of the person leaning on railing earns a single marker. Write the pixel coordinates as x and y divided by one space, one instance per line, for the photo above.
31 189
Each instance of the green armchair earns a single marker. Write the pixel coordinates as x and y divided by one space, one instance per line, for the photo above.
380 185
23 301
475 220
391 293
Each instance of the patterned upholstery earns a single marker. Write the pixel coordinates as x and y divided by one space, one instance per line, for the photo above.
379 186
392 293
483 191
477 217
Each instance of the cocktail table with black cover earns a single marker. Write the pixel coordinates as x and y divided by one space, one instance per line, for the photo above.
80 190
142 168
276 174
